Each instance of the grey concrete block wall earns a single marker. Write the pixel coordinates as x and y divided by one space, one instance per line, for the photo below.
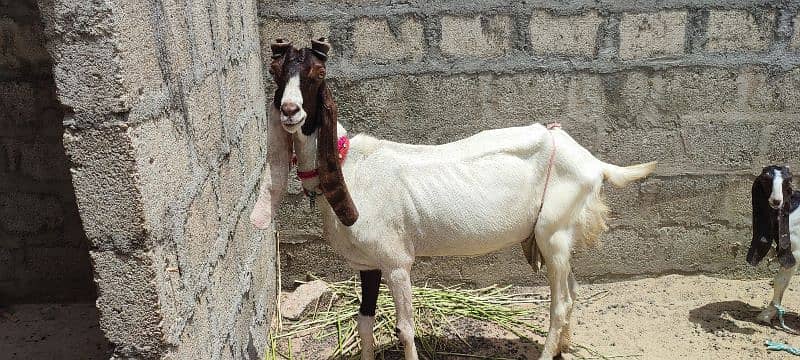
709 88
165 134
44 253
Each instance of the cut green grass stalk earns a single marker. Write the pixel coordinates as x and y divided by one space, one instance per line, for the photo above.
435 311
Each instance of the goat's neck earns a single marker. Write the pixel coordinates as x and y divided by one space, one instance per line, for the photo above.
305 147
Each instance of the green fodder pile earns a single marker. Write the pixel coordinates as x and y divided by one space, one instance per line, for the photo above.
436 310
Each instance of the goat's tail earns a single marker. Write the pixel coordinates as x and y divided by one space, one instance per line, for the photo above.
621 176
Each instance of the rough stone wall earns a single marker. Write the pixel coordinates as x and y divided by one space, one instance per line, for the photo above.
165 134
709 88
44 254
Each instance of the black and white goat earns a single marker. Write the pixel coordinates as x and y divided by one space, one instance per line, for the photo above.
775 220
476 195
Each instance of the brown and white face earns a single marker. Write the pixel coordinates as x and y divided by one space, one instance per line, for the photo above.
776 181
299 74
771 197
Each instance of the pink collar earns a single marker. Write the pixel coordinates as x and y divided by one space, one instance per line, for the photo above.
344 147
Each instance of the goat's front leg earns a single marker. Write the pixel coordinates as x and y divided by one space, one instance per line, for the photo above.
557 252
399 281
370 284
779 284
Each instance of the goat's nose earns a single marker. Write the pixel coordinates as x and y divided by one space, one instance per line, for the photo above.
774 202
289 109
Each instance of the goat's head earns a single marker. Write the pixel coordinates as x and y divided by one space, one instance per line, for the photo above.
300 77
303 106
771 197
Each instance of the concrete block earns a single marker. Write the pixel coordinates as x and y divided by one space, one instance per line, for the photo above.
294 304
85 77
138 55
738 30
795 42
783 138
163 167
675 249
30 213
204 55
694 201
631 146
203 222
719 144
479 36
193 339
231 184
20 115
350 2
380 39
567 35
252 144
702 90
106 187
128 303
23 46
652 34
789 90
56 264
204 108
514 100
299 33
296 221
43 161
761 90
425 104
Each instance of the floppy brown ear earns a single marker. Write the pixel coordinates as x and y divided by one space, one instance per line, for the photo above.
762 225
785 257
275 176
331 179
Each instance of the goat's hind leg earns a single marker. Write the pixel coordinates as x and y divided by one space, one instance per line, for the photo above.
556 251
565 343
370 284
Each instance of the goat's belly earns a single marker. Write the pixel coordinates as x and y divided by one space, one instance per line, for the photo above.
468 246
477 236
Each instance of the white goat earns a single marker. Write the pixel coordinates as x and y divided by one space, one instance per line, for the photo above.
469 197
775 220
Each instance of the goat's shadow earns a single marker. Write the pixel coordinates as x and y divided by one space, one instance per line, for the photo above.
711 317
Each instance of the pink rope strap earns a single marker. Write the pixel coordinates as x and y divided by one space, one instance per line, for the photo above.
550 126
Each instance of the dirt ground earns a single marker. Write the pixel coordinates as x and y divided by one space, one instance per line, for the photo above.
51 331
670 317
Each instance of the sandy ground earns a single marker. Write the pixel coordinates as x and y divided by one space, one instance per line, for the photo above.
51 331
670 317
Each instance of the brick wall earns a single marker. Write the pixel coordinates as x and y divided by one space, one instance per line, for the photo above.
44 254
165 137
709 88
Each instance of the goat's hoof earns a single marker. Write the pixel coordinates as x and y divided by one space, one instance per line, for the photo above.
766 316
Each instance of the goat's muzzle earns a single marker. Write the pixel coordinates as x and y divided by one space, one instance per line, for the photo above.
775 204
292 116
